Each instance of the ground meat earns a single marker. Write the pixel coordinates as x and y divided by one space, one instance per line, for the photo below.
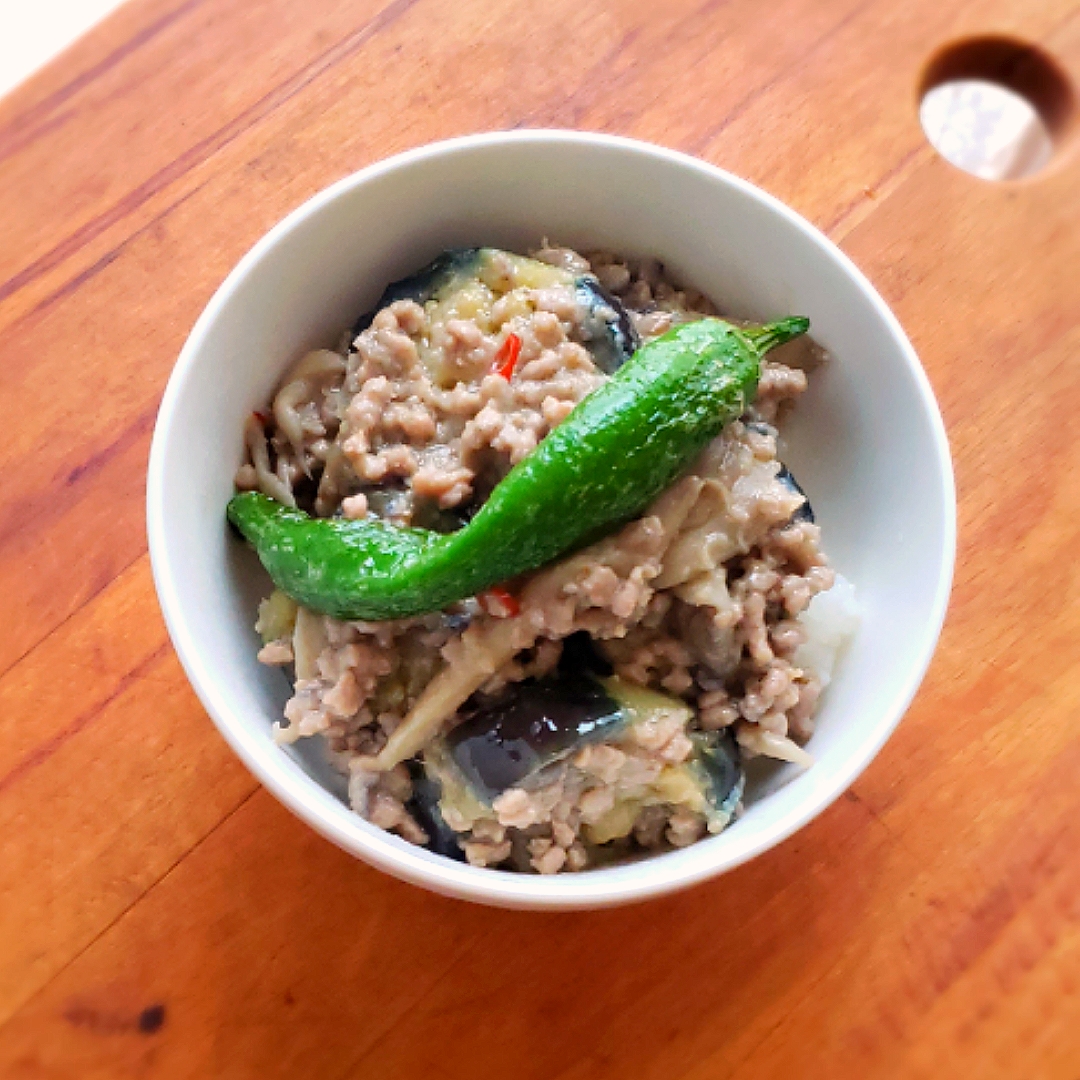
657 303
778 388
354 507
366 677
276 653
488 844
440 428
684 828
382 799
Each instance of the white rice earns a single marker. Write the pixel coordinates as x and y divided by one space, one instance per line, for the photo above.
830 621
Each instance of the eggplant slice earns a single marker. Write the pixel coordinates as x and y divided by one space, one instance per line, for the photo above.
607 330
501 743
514 740
427 284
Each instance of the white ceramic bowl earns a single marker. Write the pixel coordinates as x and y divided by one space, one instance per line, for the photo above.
867 442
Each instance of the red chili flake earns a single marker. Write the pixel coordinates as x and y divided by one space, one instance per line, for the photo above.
507 356
262 417
499 602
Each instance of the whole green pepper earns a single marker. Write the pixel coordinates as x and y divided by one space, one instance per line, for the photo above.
618 449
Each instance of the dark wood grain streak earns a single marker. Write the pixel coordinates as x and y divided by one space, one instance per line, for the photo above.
203 150
880 187
73 284
45 750
43 119
17 518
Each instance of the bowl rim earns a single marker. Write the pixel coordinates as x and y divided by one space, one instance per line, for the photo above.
309 801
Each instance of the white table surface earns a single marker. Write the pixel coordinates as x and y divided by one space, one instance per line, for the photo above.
32 32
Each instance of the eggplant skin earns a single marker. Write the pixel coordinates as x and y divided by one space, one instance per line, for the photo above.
723 766
424 807
425 284
501 743
806 511
607 332
505 742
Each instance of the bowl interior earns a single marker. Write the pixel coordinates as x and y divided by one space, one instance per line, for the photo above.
866 443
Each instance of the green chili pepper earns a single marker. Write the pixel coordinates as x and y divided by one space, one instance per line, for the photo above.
604 464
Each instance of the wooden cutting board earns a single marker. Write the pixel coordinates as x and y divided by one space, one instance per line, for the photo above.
161 916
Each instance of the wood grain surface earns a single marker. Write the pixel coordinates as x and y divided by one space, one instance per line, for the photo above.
162 916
